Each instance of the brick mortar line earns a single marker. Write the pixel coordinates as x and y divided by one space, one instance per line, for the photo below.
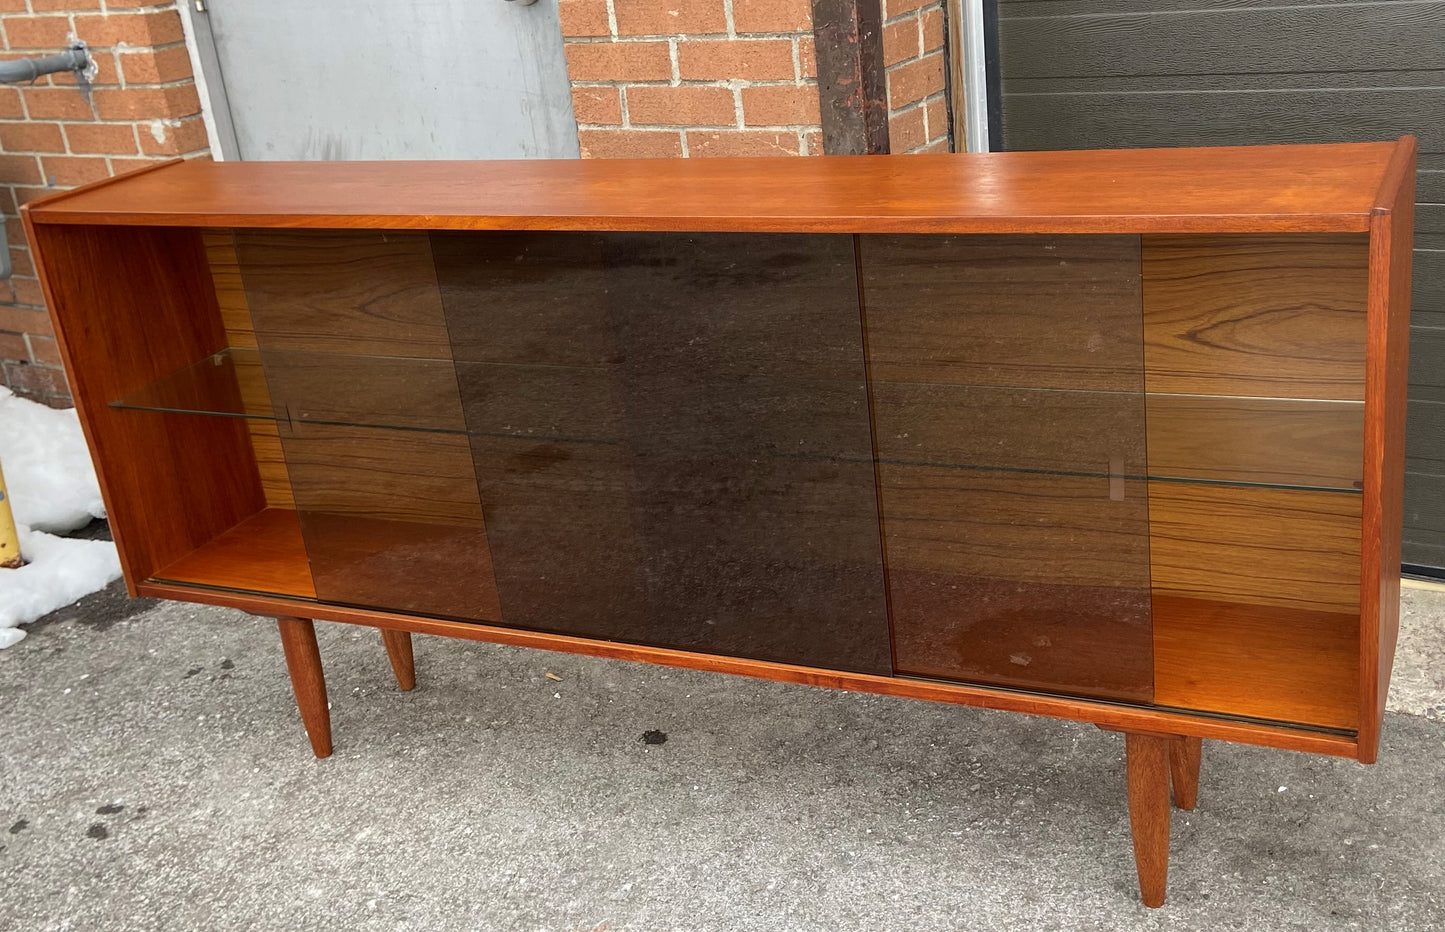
682 37
30 348
99 121
912 104
912 61
699 127
689 82
706 127
64 125
68 14
919 102
919 11
129 49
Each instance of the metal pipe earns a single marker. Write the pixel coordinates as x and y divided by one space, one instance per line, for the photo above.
28 69
975 78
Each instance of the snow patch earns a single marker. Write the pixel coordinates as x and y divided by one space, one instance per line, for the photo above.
52 487
58 571
47 466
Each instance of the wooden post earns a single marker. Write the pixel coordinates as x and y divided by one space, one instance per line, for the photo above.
1148 768
398 650
1184 755
303 660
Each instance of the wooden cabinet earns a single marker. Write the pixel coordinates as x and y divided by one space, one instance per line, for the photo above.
1110 436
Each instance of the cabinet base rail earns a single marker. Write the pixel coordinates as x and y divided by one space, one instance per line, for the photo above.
1155 763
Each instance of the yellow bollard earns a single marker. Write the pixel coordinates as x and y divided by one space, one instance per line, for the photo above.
9 541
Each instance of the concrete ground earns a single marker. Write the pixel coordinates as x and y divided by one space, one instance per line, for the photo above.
154 775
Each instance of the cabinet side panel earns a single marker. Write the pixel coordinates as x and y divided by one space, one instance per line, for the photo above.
241 332
1391 240
131 305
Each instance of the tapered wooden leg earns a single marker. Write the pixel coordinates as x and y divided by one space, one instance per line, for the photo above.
1184 754
398 648
303 660
1148 768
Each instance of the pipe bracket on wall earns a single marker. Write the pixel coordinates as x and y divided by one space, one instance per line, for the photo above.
75 58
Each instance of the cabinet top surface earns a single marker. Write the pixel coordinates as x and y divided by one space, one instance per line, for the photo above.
1318 188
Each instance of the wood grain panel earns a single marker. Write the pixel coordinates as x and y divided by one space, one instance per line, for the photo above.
230 290
395 475
944 425
264 553
375 391
241 332
1019 311
1285 664
392 518
1391 229
360 293
1270 316
1258 546
129 306
1063 530
1247 189
429 568
1224 439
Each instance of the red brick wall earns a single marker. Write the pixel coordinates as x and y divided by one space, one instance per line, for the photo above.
913 40
143 106
669 78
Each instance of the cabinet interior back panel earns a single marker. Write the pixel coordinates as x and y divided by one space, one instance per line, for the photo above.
241 332
1034 311
1267 316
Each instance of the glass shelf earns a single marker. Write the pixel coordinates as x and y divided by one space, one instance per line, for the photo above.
1197 439
314 388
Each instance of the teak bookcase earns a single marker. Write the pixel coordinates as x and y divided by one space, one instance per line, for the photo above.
1108 436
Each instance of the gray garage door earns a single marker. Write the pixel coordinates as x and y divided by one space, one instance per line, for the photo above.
1083 74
